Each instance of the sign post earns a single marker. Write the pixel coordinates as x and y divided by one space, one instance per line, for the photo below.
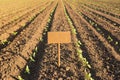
59 54
59 37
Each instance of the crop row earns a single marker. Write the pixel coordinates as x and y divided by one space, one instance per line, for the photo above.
33 58
103 31
109 37
78 44
14 34
7 41
114 21
103 9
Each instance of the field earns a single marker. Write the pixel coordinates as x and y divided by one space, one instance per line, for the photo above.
93 54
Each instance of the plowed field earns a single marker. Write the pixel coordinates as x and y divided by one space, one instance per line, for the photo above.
94 51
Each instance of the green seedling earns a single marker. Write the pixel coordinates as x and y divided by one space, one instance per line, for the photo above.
20 78
41 39
46 29
98 29
92 23
110 39
36 49
15 33
79 51
31 59
49 20
95 25
114 24
4 42
34 54
44 33
88 76
79 42
27 70
84 61
74 31
116 43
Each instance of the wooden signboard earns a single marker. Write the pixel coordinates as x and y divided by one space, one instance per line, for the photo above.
59 37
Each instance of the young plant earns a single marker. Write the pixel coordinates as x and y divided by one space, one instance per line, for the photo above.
116 43
31 59
110 39
36 49
88 76
41 39
20 78
15 33
74 31
83 60
4 42
27 70
98 29
34 54
79 42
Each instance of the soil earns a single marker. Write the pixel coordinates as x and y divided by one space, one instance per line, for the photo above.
96 49
24 44
48 66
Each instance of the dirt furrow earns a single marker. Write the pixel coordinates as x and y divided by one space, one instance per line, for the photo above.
18 60
100 54
108 31
114 30
10 29
10 15
113 19
16 33
103 10
47 65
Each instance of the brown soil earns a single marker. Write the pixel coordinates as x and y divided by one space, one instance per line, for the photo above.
111 10
70 64
100 54
106 15
106 29
18 52
20 23
11 16
97 48
115 31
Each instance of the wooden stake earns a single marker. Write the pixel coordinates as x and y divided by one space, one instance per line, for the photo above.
58 54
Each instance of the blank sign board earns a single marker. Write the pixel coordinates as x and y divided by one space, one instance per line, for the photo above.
59 37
